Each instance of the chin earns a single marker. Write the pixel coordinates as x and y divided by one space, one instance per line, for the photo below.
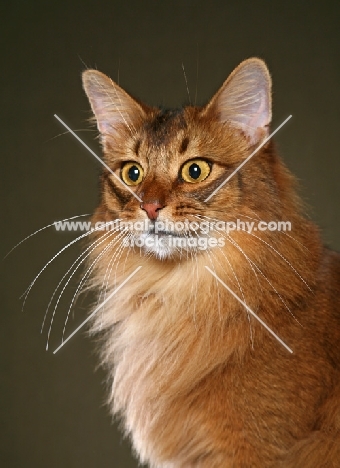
170 245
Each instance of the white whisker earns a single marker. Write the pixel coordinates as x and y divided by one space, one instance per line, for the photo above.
93 246
68 281
250 311
84 278
186 83
26 293
43 228
281 256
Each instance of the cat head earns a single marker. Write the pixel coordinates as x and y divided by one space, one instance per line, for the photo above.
165 165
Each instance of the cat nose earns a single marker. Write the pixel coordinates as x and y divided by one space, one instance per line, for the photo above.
152 209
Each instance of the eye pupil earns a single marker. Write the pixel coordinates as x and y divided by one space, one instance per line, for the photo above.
133 173
194 171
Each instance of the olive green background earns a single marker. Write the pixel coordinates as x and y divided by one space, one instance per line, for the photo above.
53 411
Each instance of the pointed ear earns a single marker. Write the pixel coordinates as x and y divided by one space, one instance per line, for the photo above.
244 100
111 105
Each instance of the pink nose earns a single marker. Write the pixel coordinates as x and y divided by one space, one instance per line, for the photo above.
152 209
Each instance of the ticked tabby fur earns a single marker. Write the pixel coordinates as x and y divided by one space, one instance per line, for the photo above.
195 379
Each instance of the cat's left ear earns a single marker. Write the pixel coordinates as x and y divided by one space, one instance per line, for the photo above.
244 100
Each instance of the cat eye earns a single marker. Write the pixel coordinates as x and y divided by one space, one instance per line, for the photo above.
132 173
195 170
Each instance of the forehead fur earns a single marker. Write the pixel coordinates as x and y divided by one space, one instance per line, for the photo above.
164 125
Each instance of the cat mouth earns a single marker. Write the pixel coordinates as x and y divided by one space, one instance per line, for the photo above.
164 233
165 244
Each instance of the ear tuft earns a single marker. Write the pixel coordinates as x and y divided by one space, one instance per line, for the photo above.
244 100
111 105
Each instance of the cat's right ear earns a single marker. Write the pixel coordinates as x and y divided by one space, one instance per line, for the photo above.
113 108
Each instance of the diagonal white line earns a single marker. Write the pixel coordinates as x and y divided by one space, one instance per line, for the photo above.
246 160
250 311
98 308
98 158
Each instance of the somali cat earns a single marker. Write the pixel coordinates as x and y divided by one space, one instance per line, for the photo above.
196 380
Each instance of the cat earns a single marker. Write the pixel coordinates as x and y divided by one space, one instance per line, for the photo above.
196 380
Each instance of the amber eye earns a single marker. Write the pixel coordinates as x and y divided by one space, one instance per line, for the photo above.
195 170
132 173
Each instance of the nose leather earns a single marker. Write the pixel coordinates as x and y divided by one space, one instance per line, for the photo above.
152 209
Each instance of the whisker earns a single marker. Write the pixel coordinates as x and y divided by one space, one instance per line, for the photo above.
242 293
281 232
193 293
196 77
240 288
253 313
295 240
282 256
93 244
53 315
43 228
26 293
210 255
186 83
108 271
273 248
115 257
230 239
66 133
269 282
85 276
98 242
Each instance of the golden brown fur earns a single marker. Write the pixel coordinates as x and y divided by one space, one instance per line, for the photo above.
196 380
